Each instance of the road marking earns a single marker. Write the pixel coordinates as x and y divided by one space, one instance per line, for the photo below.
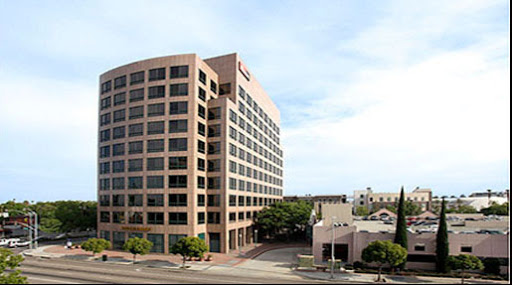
52 280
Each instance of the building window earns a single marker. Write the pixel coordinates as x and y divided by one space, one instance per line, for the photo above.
202 77
118 149
155 145
105 184
232 116
156 128
135 218
214 148
214 131
213 200
213 218
156 74
118 217
156 92
179 71
201 200
232 217
178 144
155 182
155 200
180 89
135 130
200 164
214 165
232 183
156 110
136 147
201 129
105 201
136 112
214 183
135 182
178 162
419 247
174 239
119 115
137 77
135 200
200 218
214 113
201 111
213 86
177 200
105 217
158 242
105 119
106 103
224 88
120 99
136 95
120 82
178 218
202 94
241 216
106 87
232 200
201 146
155 163
155 218
177 181
104 135
118 200
134 165
178 126
178 108
118 166
201 182
232 166
119 132
467 249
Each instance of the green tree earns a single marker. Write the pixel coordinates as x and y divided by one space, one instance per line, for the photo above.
284 218
464 262
362 211
442 246
401 224
384 252
189 247
76 215
137 245
496 209
95 245
411 209
10 261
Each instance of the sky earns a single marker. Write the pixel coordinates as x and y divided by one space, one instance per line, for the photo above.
372 93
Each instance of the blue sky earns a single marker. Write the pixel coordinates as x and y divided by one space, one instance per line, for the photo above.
371 93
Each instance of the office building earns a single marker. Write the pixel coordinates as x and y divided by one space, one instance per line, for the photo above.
374 201
187 147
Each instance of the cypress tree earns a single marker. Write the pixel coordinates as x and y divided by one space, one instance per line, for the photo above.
401 224
442 249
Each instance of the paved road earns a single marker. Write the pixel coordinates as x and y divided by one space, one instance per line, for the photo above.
59 271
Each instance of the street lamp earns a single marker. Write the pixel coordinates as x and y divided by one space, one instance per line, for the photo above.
240 244
332 247
255 236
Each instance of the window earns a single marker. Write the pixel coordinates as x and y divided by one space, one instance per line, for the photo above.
104 167
178 162
232 217
135 182
135 147
155 200
232 149
178 218
201 146
156 74
202 77
156 110
155 163
232 133
177 181
118 149
106 103
179 144
200 164
155 182
155 218
232 183
467 249
419 247
156 92
118 217
200 218
136 95
213 200
136 112
201 129
180 89
105 119
224 88
135 218
201 200
232 116
120 99
118 200
105 200
156 128
214 113
232 166
241 216
232 200
119 115
137 77
134 165
104 135
105 184
155 145
178 126
120 82
213 86
177 200
119 132
201 111
118 166
179 71
214 183
106 87
105 217
174 239
213 218
135 200
214 131
214 165
214 148
177 108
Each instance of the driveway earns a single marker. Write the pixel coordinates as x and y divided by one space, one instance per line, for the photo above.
278 260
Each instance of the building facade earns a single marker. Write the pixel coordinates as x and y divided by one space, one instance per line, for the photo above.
374 201
187 147
318 200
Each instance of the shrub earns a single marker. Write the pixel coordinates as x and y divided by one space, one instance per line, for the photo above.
492 266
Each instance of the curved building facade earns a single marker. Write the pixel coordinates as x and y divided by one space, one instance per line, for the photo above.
187 147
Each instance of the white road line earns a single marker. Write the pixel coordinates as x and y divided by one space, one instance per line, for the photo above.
30 278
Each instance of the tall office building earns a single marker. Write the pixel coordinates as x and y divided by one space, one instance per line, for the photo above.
187 147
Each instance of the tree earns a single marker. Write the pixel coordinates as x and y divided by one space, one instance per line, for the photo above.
442 246
401 224
384 252
189 247
284 218
411 209
96 245
137 245
10 261
465 262
496 209
362 211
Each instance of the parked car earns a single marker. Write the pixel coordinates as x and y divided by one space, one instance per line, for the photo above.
388 222
18 243
6 241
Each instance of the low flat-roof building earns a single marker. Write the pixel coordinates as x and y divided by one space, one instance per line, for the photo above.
318 200
374 201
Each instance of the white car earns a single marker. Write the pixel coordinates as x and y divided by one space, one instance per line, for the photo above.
6 241
18 243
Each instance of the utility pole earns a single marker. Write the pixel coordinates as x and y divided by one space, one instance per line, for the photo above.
332 247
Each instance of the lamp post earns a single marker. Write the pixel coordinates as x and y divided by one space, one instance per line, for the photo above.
240 244
332 247
255 236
